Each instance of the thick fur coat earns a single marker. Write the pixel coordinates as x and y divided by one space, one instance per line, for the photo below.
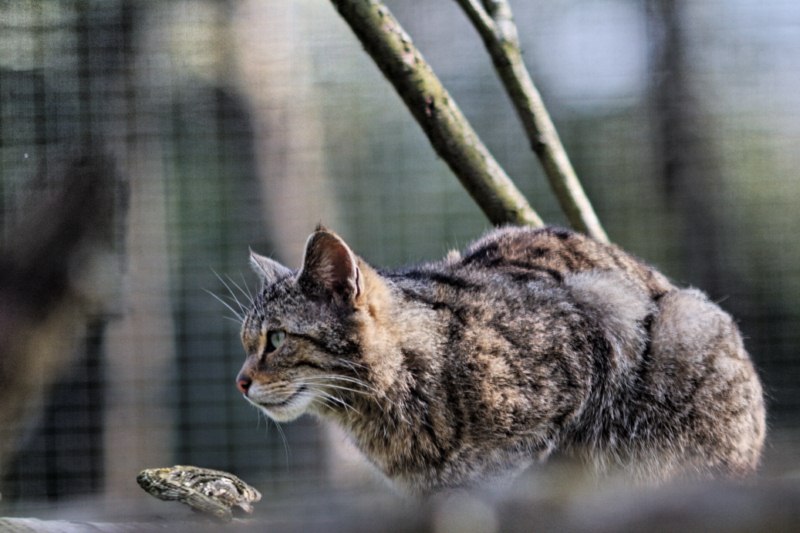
526 343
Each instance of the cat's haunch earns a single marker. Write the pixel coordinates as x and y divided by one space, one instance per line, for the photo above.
527 342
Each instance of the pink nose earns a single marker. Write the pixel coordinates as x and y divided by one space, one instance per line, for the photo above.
243 383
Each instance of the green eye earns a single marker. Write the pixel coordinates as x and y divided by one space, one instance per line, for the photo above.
275 339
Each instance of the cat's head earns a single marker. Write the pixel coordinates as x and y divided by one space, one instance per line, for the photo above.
303 335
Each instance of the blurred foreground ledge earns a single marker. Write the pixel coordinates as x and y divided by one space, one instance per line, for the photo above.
527 505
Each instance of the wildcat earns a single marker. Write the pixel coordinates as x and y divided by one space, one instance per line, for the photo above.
530 341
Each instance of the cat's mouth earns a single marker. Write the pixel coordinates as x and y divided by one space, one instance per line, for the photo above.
282 403
288 408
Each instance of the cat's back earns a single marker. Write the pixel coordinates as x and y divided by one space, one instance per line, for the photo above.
522 269
552 254
654 341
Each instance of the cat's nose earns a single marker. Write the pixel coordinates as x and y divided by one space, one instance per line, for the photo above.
243 383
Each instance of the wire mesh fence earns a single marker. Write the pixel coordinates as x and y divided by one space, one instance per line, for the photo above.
231 125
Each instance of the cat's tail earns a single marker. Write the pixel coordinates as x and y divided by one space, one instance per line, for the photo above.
700 371
681 396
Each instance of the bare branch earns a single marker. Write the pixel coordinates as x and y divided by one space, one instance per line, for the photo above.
440 118
495 24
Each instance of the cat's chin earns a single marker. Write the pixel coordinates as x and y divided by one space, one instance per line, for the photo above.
286 410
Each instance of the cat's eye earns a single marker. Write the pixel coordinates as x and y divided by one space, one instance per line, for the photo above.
274 339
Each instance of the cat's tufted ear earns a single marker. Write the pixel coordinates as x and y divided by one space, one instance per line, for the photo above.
330 268
268 270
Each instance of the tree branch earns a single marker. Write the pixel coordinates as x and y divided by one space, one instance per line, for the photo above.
495 24
440 118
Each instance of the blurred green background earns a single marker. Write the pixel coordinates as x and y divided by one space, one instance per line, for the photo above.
244 123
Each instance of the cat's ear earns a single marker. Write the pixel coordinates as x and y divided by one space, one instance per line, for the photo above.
330 267
268 270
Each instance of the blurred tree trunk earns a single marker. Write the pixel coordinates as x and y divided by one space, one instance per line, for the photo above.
52 286
101 98
140 350
684 148
285 107
61 253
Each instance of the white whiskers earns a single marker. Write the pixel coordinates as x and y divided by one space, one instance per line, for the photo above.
239 307
284 441
325 387
237 315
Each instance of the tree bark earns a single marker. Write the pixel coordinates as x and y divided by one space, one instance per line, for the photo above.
442 121
495 24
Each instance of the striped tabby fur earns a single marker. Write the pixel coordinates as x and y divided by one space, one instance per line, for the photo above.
526 343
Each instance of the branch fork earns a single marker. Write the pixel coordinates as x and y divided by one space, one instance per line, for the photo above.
451 135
